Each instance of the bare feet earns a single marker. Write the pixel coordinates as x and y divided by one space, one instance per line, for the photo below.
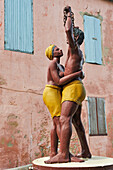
75 159
57 159
72 158
70 155
84 155
53 154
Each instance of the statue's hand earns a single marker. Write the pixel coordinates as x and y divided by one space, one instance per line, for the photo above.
67 9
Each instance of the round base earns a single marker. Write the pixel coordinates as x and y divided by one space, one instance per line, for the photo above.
96 162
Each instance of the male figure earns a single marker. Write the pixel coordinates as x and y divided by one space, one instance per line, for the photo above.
72 96
52 92
79 35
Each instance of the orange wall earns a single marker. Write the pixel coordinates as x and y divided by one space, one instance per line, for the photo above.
25 122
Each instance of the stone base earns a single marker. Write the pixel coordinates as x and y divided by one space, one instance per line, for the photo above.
95 163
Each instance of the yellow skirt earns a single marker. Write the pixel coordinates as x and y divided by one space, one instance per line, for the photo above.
52 99
74 91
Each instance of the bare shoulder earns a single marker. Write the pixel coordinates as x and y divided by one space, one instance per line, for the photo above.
52 65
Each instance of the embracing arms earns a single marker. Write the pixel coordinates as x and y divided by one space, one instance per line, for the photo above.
66 79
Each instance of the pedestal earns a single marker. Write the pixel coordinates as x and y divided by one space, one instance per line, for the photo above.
95 163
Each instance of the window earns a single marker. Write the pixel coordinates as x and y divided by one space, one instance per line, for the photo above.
92 31
97 119
19 25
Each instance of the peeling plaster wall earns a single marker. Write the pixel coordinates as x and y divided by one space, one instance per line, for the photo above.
25 121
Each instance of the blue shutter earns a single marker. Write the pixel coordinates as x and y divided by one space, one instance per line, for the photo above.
89 42
19 25
98 46
92 32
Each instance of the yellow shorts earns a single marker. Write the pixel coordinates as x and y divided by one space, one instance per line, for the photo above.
52 99
74 91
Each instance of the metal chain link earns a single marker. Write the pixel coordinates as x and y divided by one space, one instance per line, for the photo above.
65 18
72 18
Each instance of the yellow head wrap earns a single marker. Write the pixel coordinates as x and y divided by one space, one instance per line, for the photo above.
49 51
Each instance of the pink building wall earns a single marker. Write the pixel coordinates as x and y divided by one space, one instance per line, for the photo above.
24 120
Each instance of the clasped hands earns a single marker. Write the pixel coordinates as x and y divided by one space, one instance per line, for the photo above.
67 9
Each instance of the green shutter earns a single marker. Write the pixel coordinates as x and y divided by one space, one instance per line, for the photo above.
97 118
101 116
92 116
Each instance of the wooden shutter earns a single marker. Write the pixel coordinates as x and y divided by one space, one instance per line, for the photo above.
98 46
92 116
93 52
19 25
97 118
89 42
101 116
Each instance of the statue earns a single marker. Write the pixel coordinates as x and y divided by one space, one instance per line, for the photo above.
66 109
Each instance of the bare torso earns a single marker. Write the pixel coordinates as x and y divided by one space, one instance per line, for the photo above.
55 73
74 62
49 76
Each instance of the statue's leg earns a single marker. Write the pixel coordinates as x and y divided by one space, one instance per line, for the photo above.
55 134
54 140
68 109
57 124
81 134
58 129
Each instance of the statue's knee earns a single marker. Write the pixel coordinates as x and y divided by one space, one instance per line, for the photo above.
53 128
64 119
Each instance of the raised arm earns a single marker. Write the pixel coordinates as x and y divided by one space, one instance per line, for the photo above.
69 27
65 79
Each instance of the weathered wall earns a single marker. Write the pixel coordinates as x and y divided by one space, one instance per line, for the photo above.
24 120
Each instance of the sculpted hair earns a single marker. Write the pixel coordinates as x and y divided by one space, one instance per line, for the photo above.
80 35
